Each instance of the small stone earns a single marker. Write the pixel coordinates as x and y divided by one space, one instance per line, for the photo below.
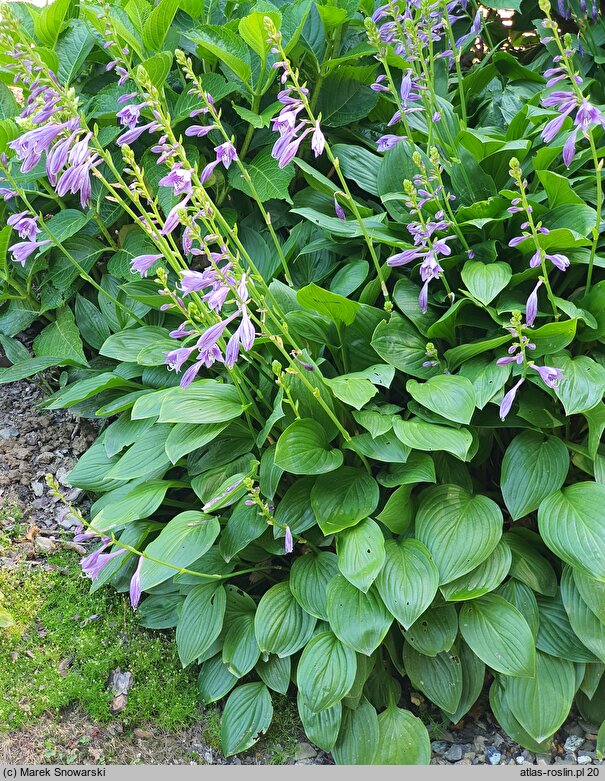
528 756
493 755
439 747
305 751
498 740
454 754
208 758
520 759
479 743
584 758
589 745
10 432
464 761
45 545
142 733
543 759
575 730
38 488
573 743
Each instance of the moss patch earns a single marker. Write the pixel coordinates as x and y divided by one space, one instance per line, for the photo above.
65 642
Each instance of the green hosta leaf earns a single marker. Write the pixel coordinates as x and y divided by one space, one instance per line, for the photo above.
158 23
126 345
145 457
204 401
360 620
485 280
399 343
506 718
408 580
244 526
91 323
354 389
473 678
303 449
449 395
214 681
62 226
438 677
322 728
309 578
419 468
584 622
583 383
275 672
385 448
529 565
338 308
541 704
252 30
227 46
358 737
361 553
295 510
398 513
268 179
240 649
532 468
342 498
158 67
345 95
73 49
483 579
459 530
592 592
61 339
572 524
282 627
27 368
555 635
51 20
523 598
486 377
201 621
326 672
499 635
434 631
90 472
185 437
402 739
420 435
181 542
248 714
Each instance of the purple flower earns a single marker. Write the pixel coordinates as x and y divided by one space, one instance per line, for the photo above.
179 179
401 258
130 136
531 307
23 249
142 263
569 148
135 586
389 141
172 218
340 212
244 336
199 130
176 358
318 141
25 225
93 564
77 179
123 74
548 374
31 145
226 153
130 115
288 541
507 401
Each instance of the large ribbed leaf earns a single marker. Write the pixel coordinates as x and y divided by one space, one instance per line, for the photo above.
309 578
459 530
247 714
408 580
402 739
282 627
532 468
326 672
497 632
439 677
572 524
359 619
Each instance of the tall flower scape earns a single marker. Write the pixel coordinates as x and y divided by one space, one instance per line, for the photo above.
331 277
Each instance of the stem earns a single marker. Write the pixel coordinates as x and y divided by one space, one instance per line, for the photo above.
598 164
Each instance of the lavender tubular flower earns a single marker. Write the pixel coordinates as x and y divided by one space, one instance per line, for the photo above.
507 401
549 375
25 225
288 541
95 563
22 250
135 586
142 263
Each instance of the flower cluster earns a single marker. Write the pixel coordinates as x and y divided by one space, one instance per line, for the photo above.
292 131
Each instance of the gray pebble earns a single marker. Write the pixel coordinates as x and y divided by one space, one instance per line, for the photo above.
493 755
573 742
454 754
10 432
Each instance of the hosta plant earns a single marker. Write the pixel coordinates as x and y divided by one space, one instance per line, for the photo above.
330 275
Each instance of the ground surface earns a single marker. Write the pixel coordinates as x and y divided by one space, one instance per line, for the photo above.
57 658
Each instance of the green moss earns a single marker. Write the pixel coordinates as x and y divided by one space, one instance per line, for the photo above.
59 622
